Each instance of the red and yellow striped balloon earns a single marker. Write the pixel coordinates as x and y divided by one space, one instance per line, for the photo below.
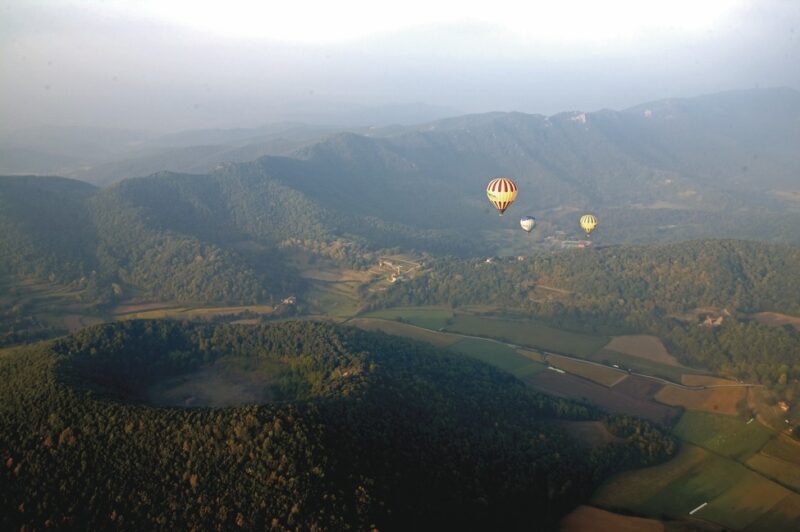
501 192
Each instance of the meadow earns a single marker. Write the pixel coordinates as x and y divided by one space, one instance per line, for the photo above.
528 333
433 318
498 355
724 435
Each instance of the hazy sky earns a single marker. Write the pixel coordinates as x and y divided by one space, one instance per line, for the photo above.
166 65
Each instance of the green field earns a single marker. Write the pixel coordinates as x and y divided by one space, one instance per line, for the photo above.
498 355
736 496
337 300
641 365
785 473
406 330
529 333
429 317
783 517
725 435
784 448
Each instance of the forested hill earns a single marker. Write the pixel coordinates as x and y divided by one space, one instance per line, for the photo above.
665 290
370 432
205 238
737 275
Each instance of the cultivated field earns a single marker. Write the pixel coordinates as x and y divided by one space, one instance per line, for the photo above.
189 313
533 355
429 317
703 380
528 333
737 497
499 355
640 365
599 374
783 448
403 329
334 299
725 435
647 347
785 473
588 518
615 400
715 400
783 517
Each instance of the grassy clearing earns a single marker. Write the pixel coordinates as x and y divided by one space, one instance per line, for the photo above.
529 333
601 375
338 300
590 433
405 330
139 307
585 518
642 346
776 319
725 435
498 355
228 382
715 400
785 473
429 317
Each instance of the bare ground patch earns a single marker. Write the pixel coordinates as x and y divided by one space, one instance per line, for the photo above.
642 346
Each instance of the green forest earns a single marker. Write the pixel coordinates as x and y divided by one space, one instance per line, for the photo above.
369 431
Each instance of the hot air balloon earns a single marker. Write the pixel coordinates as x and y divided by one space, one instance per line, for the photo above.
501 193
527 223
588 223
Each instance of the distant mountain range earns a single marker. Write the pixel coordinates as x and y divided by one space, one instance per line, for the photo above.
717 166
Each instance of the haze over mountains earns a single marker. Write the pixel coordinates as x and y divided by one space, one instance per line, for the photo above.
712 167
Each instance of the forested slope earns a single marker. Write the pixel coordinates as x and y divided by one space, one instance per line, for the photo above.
372 431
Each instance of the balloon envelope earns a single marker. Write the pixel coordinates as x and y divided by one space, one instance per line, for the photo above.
588 223
527 223
501 192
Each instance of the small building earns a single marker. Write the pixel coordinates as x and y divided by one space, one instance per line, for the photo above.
784 405
291 300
